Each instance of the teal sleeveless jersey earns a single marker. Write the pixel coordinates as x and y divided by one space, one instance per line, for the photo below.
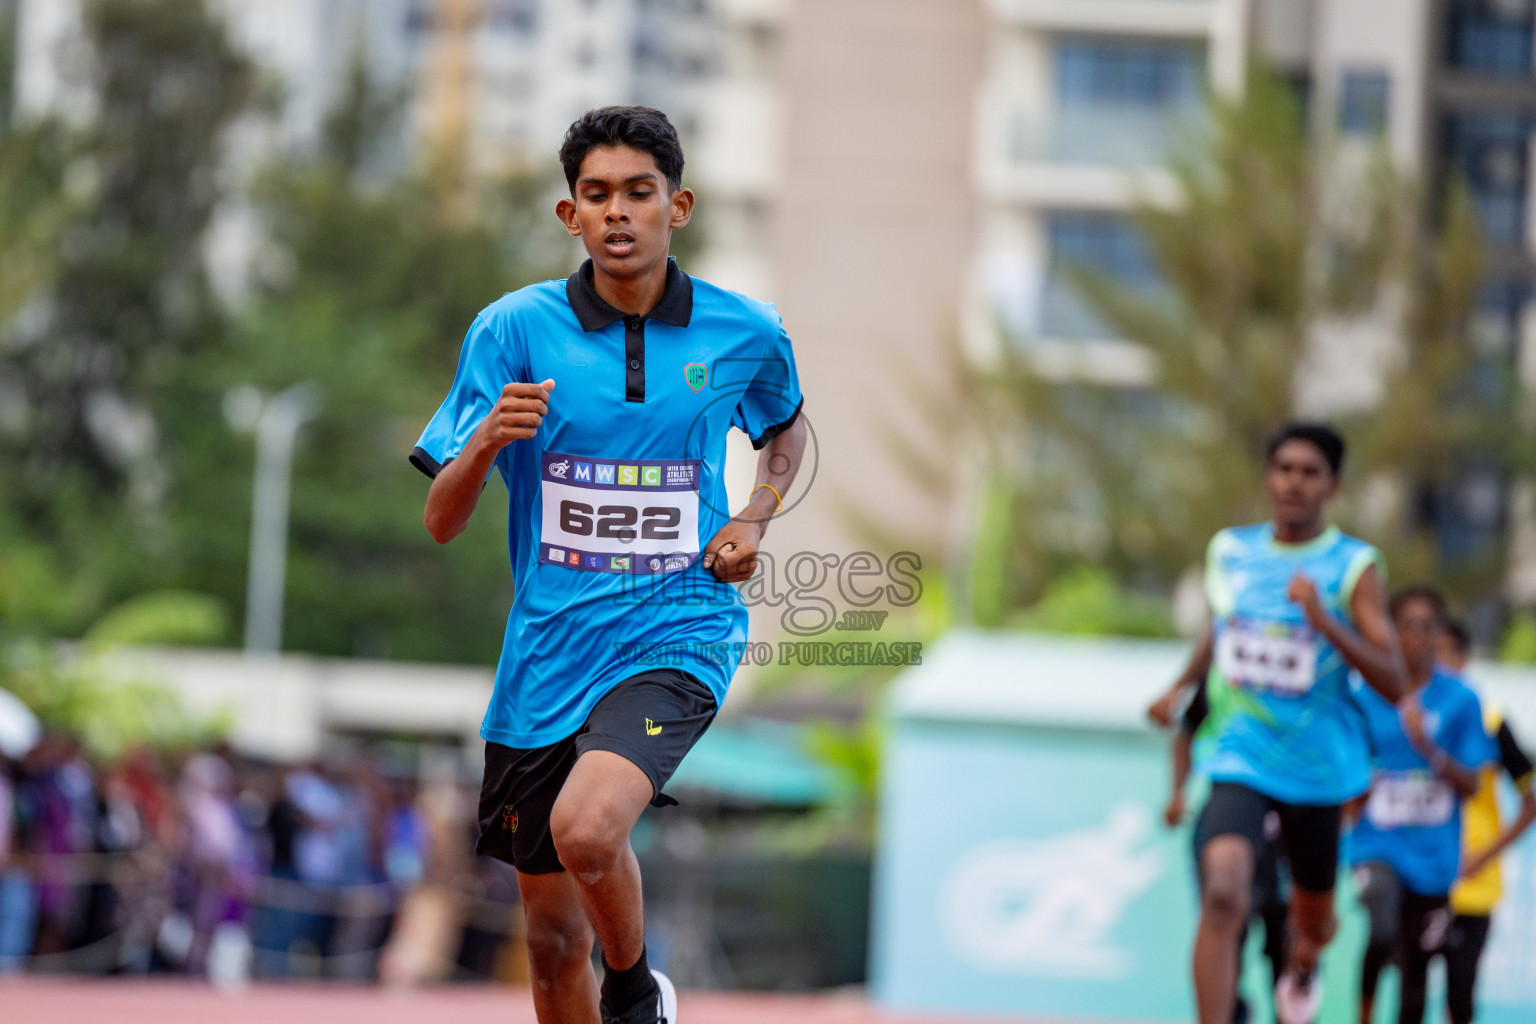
1282 718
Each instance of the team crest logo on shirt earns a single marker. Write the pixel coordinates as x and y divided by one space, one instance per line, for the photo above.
694 374
509 818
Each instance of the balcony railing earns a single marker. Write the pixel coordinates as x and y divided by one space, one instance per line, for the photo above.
1119 137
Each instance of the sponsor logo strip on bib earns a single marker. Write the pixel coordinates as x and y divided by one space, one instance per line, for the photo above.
619 515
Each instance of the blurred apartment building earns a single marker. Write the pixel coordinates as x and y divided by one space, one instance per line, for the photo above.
1082 100
910 179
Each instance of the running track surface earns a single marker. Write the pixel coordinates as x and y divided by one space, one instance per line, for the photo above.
99 1001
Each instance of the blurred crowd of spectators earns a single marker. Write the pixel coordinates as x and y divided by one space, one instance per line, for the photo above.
206 864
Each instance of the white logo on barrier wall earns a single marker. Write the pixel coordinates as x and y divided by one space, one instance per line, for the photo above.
1046 906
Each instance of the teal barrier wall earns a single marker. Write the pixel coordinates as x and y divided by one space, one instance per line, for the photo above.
1023 868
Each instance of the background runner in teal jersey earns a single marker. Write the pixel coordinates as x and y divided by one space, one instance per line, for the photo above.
1295 606
1284 722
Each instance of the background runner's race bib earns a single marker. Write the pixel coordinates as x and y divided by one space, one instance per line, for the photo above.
1268 656
1402 799
619 515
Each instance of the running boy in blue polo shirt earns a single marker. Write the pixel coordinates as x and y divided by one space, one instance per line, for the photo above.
624 630
1428 750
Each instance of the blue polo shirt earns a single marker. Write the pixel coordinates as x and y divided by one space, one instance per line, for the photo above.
616 495
1412 819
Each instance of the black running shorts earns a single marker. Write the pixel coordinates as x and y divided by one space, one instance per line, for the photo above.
651 719
1309 836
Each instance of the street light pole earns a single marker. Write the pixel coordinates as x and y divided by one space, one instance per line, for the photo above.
276 426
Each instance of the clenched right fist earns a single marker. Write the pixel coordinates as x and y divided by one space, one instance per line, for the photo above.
517 413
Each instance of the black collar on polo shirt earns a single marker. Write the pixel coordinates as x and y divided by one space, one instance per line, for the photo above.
593 313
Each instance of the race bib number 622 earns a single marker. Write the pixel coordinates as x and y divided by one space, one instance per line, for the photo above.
619 515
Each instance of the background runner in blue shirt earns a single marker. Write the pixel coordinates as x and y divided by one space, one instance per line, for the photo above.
1295 604
624 631
1427 751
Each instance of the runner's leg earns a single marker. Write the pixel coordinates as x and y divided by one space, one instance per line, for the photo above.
1311 841
559 949
1312 925
1426 919
1382 896
1464 948
1227 869
1275 913
1233 820
597 807
1268 899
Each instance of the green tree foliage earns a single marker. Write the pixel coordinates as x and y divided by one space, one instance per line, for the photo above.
1088 602
83 691
1272 242
130 301
373 290
121 473
99 334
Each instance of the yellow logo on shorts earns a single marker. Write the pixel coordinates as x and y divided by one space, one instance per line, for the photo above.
509 818
652 729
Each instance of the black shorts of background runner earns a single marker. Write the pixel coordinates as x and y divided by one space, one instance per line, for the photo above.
1309 836
1463 951
651 719
1407 927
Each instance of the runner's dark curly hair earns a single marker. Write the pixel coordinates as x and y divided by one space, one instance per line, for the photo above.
1321 436
643 128
1426 592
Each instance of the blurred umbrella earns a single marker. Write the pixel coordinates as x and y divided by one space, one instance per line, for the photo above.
19 728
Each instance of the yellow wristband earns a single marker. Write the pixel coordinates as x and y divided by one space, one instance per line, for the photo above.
775 494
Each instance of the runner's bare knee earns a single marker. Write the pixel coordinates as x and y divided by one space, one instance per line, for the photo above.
1226 891
589 839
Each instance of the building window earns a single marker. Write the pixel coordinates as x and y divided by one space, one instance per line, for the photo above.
1098 243
1124 102
1496 324
1490 152
1493 36
1363 100
1466 513
1129 73
517 16
418 17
